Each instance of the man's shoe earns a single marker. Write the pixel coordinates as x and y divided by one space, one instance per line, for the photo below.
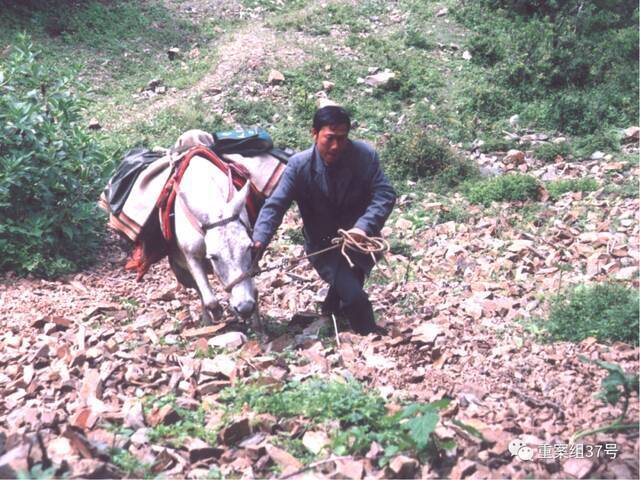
366 330
378 330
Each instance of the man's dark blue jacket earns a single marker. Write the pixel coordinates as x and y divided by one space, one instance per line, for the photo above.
352 193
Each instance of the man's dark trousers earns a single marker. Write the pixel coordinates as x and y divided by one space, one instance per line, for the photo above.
347 296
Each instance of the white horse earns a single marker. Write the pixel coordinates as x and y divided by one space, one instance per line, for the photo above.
213 234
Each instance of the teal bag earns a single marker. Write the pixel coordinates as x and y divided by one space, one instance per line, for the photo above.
248 142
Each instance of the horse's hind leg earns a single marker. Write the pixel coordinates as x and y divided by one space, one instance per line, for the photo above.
182 274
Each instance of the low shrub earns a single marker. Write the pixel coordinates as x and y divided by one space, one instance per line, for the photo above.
50 171
414 154
455 213
454 175
548 152
505 188
608 312
362 416
498 145
559 187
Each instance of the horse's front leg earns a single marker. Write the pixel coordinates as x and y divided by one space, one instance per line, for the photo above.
255 320
211 308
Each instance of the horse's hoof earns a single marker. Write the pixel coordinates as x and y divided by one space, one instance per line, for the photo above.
205 319
212 315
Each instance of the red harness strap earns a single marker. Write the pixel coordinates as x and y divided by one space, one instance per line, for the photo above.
238 175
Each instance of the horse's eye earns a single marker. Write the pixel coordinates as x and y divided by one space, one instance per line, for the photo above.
213 257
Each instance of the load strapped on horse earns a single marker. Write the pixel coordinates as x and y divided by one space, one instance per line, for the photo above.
197 203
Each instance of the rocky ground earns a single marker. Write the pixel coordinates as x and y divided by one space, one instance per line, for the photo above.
80 355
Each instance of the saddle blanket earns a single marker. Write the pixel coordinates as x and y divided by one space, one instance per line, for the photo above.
136 197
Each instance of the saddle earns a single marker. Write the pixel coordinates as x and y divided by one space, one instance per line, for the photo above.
139 197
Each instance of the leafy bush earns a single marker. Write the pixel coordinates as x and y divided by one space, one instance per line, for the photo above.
507 188
51 169
454 175
607 311
557 188
414 154
550 151
498 145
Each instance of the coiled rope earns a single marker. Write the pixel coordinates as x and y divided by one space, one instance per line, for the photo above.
347 242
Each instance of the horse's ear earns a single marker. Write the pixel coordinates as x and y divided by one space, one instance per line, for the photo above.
239 199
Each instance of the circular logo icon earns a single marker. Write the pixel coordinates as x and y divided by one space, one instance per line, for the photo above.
515 445
525 453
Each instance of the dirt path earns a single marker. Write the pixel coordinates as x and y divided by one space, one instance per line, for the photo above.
239 56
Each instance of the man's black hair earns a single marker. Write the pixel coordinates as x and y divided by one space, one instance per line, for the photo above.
331 115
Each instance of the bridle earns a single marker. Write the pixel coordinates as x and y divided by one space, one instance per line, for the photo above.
202 228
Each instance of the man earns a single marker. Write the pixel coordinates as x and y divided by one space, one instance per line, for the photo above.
337 184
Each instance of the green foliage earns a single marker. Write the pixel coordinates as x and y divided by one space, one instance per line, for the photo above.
51 168
549 151
617 384
499 145
569 66
252 112
295 235
505 188
413 154
454 213
38 473
322 18
627 189
130 464
191 424
168 125
398 247
559 187
363 417
604 139
455 174
608 312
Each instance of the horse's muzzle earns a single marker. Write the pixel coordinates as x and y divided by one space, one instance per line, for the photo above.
245 308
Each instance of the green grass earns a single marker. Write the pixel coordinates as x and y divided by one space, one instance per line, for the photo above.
627 189
362 415
191 423
550 151
119 43
506 188
279 6
130 464
559 187
608 312
118 48
558 69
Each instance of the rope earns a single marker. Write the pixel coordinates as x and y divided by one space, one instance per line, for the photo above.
345 241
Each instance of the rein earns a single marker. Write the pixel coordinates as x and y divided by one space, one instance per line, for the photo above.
345 242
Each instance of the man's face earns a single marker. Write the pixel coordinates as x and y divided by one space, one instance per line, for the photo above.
331 141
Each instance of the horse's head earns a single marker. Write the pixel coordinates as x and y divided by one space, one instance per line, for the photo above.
228 248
